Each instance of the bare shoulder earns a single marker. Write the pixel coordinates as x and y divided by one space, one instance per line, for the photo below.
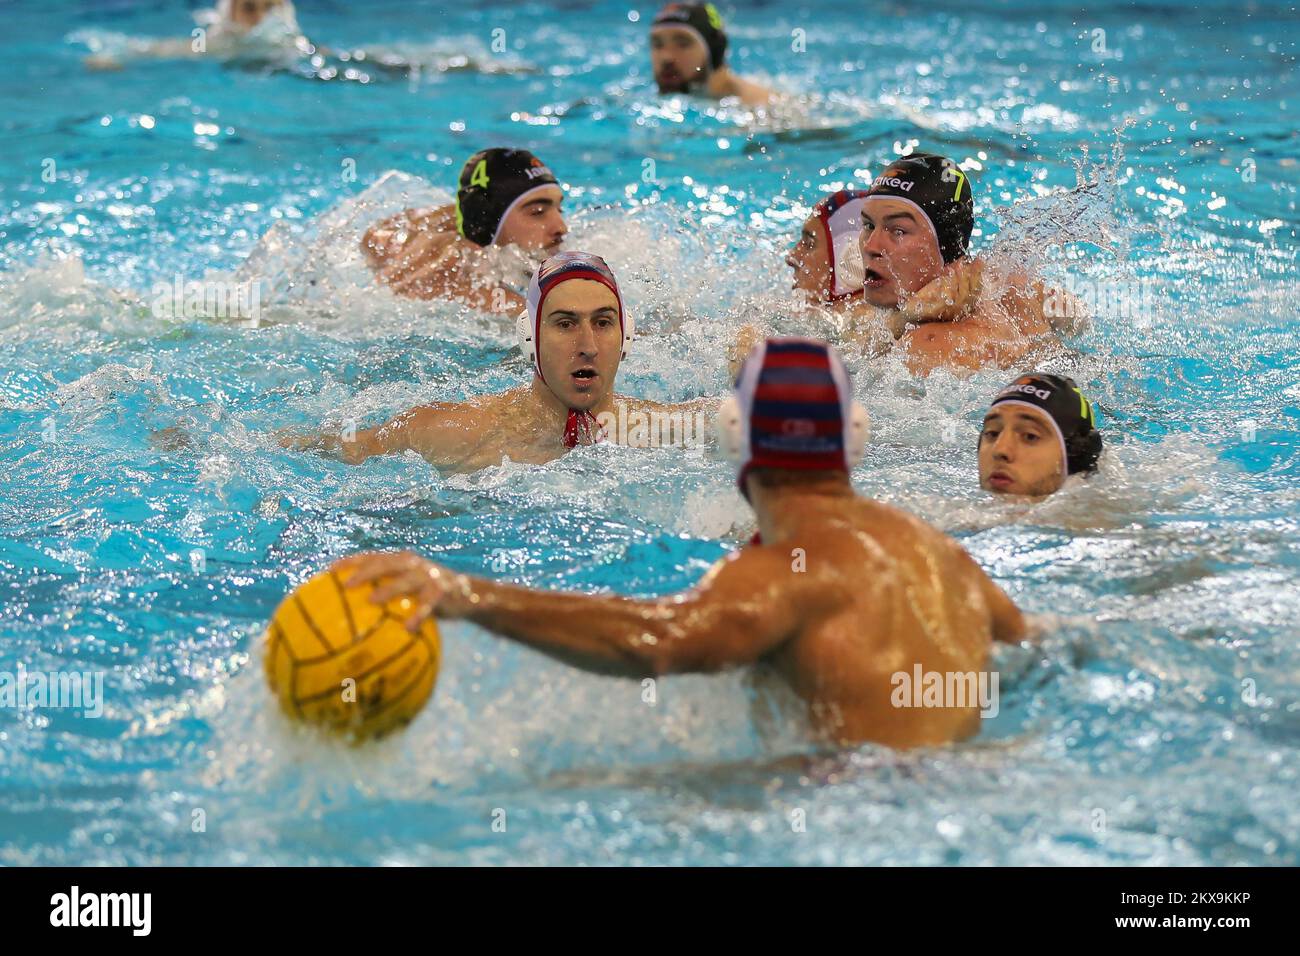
751 93
758 575
434 417
887 532
987 337
473 409
445 432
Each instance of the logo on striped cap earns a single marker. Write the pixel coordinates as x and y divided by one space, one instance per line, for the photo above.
796 405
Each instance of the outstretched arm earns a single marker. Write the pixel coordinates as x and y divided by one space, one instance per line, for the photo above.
745 607
432 430
748 337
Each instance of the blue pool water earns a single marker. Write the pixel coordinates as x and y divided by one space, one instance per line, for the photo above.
1159 721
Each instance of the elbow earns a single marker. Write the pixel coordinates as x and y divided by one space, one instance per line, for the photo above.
681 655
353 452
652 652
648 659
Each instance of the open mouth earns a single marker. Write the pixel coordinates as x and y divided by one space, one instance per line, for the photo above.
584 378
873 279
1001 480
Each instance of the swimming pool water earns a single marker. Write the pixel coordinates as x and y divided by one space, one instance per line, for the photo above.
1159 720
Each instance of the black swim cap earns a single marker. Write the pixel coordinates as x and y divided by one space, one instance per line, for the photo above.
491 183
1068 410
704 19
940 190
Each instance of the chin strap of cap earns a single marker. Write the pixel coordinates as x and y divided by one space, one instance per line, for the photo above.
581 428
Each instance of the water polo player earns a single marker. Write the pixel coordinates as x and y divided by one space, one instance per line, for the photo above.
480 249
841 595
575 332
825 258
1040 430
244 30
688 48
917 221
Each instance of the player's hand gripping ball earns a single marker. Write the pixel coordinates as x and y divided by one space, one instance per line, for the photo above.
337 661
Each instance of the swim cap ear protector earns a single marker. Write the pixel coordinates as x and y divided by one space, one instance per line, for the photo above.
560 268
793 407
1070 413
703 20
939 190
493 183
841 217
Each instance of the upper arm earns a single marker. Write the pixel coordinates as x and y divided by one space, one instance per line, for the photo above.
747 337
745 608
435 431
1008 623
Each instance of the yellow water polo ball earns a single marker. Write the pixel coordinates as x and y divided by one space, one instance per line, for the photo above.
337 661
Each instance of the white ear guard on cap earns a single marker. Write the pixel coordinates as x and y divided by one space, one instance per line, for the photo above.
843 229
731 430
733 436
849 269
857 434
524 335
528 344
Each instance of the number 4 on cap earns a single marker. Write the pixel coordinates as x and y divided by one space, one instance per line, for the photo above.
480 177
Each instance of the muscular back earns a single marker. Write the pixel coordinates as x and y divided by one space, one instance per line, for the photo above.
889 593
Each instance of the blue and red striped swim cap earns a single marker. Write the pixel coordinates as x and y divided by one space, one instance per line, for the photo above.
795 409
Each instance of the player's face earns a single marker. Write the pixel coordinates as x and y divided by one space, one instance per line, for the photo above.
580 342
1020 453
249 13
678 58
537 225
900 254
810 258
